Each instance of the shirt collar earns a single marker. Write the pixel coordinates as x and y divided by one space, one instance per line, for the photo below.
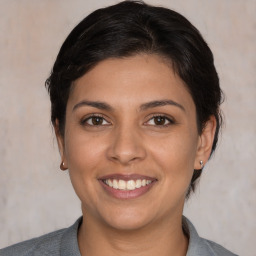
69 243
197 245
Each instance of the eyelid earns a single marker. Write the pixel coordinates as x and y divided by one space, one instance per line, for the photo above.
167 117
89 116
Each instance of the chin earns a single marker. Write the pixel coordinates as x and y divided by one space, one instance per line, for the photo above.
127 224
128 219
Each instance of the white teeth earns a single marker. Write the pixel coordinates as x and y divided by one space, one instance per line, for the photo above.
138 184
127 185
122 184
110 183
130 185
115 184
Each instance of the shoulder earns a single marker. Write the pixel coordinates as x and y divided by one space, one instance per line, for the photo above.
48 244
216 249
62 242
202 247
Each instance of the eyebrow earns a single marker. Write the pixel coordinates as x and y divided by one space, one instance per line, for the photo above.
159 103
95 104
144 106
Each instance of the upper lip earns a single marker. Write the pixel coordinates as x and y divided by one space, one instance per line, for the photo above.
126 177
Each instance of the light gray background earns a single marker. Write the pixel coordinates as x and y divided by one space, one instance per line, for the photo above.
36 197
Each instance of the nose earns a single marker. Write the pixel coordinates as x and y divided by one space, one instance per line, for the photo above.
126 146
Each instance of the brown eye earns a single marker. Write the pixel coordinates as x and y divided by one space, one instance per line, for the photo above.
160 120
95 121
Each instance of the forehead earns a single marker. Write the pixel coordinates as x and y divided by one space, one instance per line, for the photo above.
131 80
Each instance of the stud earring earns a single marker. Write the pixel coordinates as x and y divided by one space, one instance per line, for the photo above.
62 166
201 163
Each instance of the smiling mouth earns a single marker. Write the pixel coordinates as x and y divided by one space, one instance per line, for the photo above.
127 185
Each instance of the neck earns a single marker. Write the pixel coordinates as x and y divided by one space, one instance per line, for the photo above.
163 238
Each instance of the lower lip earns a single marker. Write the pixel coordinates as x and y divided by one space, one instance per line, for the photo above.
127 194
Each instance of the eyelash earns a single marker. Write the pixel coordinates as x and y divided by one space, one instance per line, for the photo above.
85 120
170 121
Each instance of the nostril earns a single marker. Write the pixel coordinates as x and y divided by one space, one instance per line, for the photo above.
125 158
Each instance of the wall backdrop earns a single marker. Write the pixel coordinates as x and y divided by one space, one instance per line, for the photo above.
36 197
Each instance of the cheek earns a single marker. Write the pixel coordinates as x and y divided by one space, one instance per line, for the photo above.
83 153
175 154
84 156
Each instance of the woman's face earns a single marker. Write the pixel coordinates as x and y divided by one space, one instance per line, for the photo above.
131 142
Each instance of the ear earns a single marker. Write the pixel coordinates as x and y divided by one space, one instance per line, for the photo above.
61 145
205 142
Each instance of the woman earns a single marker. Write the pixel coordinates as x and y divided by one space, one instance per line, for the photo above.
135 106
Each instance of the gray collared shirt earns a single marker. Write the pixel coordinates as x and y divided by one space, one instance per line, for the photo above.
64 243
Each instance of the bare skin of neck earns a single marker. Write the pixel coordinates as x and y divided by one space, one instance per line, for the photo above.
164 238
